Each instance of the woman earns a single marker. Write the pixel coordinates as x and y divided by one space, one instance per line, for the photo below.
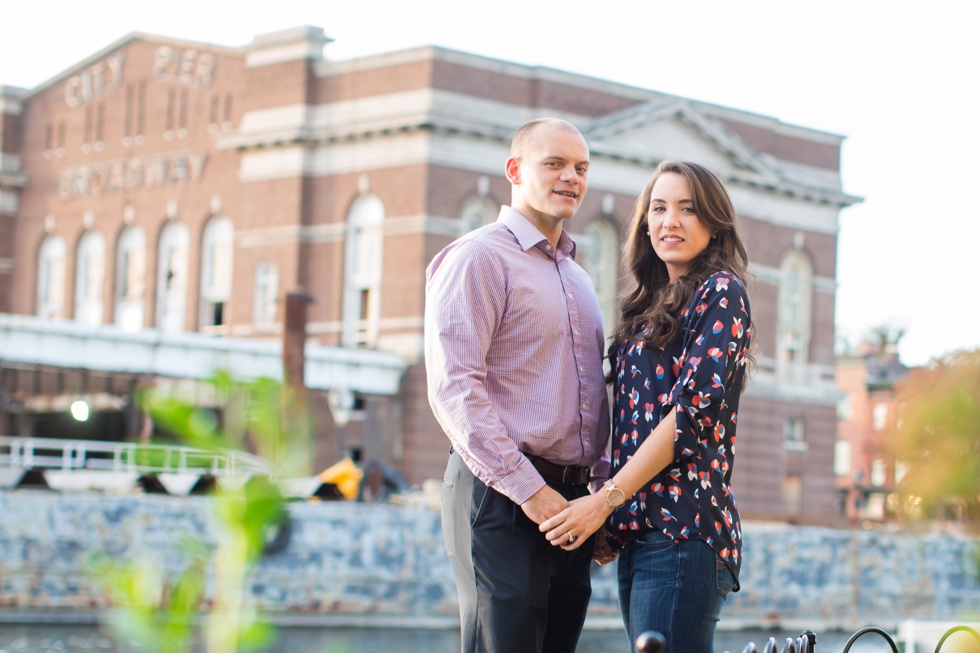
678 365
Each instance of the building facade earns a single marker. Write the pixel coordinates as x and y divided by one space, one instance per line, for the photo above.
869 380
184 187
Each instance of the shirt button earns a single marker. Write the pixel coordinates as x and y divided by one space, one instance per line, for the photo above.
581 368
569 295
576 331
548 247
584 406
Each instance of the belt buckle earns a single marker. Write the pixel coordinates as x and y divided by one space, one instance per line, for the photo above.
566 472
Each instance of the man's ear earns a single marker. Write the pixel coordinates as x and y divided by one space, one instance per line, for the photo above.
513 170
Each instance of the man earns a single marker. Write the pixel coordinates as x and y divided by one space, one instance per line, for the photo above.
513 350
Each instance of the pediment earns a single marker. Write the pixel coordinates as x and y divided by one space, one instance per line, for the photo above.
675 129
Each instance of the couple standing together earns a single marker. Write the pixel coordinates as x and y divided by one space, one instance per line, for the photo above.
514 348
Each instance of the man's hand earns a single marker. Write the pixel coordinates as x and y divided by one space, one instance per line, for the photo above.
543 504
603 553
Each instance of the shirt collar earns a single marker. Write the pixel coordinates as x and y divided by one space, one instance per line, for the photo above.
529 236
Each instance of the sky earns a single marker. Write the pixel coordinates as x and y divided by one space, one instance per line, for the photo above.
897 78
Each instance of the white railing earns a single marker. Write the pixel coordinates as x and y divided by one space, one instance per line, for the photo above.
131 457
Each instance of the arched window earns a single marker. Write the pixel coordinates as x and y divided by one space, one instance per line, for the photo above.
362 272
51 277
217 254
90 278
130 279
172 278
794 317
477 211
598 253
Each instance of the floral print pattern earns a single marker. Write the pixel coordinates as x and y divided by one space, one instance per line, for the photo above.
701 373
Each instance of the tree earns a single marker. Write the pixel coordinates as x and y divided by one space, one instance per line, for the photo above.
160 612
937 435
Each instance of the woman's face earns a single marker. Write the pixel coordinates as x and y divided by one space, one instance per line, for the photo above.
676 233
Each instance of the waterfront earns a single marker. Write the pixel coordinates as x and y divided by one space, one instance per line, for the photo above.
72 638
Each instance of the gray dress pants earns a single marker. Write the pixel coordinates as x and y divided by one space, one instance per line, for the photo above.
517 592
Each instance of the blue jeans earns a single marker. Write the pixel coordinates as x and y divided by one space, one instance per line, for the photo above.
675 587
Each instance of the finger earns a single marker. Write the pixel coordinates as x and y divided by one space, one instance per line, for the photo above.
554 520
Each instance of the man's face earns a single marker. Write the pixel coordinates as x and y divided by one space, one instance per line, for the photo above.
551 175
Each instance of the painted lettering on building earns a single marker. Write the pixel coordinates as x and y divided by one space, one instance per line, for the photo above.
131 174
95 81
188 67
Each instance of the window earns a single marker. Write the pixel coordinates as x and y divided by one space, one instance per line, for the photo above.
879 416
879 475
51 278
265 307
172 278
792 495
130 279
90 278
844 410
842 458
217 254
901 469
794 314
362 272
599 255
793 433
476 213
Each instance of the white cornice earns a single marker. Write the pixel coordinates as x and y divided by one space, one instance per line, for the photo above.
770 275
335 232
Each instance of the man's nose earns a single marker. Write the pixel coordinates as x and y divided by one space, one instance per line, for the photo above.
568 173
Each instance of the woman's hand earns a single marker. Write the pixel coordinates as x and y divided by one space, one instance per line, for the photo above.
573 525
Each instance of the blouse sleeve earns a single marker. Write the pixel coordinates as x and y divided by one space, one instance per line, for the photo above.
716 336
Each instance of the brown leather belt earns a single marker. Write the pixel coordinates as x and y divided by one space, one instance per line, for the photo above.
560 474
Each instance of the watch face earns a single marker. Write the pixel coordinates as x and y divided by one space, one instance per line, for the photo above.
615 497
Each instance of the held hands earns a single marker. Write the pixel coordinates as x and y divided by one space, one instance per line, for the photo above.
573 525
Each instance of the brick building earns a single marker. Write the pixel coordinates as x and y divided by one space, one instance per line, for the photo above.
183 187
869 380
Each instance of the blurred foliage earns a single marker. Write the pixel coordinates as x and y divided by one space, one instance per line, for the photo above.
937 435
162 609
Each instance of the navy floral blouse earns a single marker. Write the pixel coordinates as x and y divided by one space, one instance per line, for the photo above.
701 372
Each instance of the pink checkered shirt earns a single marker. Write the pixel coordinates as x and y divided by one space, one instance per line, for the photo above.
513 352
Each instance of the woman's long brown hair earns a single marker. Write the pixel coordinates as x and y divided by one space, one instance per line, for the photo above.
649 309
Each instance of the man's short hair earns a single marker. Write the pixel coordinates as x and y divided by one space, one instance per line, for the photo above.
523 135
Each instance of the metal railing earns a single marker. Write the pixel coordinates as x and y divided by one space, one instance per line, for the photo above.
132 457
653 642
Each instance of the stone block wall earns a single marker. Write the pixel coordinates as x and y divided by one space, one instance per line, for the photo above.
389 561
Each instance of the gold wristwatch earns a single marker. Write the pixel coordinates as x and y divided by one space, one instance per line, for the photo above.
614 496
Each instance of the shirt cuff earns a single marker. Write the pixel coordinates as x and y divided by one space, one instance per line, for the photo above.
521 484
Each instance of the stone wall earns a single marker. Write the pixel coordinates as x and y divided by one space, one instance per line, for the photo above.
388 561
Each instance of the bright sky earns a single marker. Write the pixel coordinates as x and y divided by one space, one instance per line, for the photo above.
898 78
